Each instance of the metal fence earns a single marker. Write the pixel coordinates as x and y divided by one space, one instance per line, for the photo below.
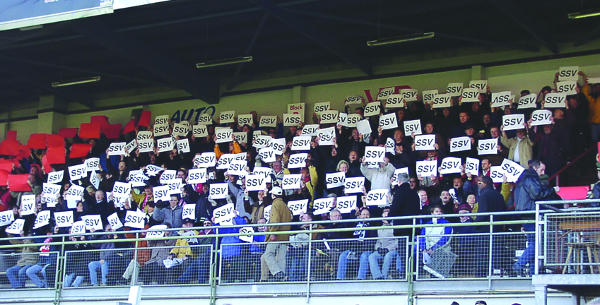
28 270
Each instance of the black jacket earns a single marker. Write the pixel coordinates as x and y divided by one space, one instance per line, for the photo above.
529 189
406 202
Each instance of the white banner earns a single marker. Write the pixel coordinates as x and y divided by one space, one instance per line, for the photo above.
487 147
77 172
470 95
78 228
322 205
6 217
161 119
224 135
333 180
197 175
297 160
527 101
42 219
354 185
513 121
114 221
256 182
346 204
354 100
412 126
568 73
189 211
374 154
240 137
75 192
92 164
390 146
237 167
218 191
512 170
206 159
200 131
395 101
298 207
278 145
27 205
156 231
63 219
472 166
297 108
268 121
425 142
385 92
261 141
245 119
326 136
175 186
131 146
205 119
377 197
226 117
146 145
450 165
291 119
353 119
161 193
497 174
224 214
541 117
363 127
310 130
291 182
409 95
480 85
16 227
267 155
501 99
165 144
454 89
397 172
427 168
442 101
121 189
321 107
329 117
460 144
429 95
92 222
144 135
160 130
167 175
56 177
301 143
567 87
248 237
388 121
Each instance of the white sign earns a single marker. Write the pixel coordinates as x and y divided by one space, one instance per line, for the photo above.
322 205
206 159
160 193
346 204
135 219
472 166
398 171
353 120
329 117
363 127
75 192
412 126
248 234
298 207
77 172
513 121
385 92
567 87
326 136
388 121
167 175
454 89
460 144
354 100
261 141
268 121
42 219
497 174
450 165
240 137
310 130
390 146
161 119
121 189
301 143
144 135
189 211
377 197
78 228
183 146
63 219
527 101
425 142
480 85
569 73
92 222
218 191
267 213
205 119
297 108
429 95
256 182
333 180
199 131
174 186
442 101
470 95
354 185
512 170
321 107
409 95
541 117
487 147
92 164
372 109
94 180
245 119
374 154
156 231
224 135
165 144
292 119
278 145
197 175
114 221
146 145
395 101
297 160
427 168
56 177
501 99
224 213
291 182
6 217
161 130
226 117
237 167
267 155
131 146
16 227
555 100
27 205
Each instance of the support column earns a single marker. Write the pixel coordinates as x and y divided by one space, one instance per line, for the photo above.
298 94
541 295
478 72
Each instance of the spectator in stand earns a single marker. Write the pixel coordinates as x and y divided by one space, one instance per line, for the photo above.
386 247
380 176
17 274
520 148
106 251
153 269
405 202
528 190
358 248
273 260
592 94
490 200
433 243
171 214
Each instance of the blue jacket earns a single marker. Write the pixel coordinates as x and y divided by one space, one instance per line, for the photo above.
426 231
231 245
529 189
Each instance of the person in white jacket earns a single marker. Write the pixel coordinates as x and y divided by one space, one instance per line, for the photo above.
379 177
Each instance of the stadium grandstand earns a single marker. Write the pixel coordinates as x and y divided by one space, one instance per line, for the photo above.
299 152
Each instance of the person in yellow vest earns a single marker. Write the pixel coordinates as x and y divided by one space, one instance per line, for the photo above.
273 260
144 198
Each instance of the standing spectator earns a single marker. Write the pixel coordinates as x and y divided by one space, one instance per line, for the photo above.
490 200
520 148
171 214
380 176
273 260
405 202
358 248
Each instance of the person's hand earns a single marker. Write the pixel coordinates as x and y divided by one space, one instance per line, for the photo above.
379 131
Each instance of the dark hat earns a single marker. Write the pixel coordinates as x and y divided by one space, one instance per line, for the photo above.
188 220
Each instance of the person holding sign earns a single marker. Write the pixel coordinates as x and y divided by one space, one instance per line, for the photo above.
592 93
273 260
171 214
380 176
520 148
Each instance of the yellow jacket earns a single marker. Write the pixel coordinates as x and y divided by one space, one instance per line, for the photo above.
594 105
182 247
280 213
525 149
236 149
310 185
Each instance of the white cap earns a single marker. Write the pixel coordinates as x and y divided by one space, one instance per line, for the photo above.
277 191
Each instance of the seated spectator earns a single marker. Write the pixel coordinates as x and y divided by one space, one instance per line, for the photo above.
358 248
17 274
435 247
386 247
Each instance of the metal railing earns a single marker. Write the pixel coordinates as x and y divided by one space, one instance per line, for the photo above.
486 250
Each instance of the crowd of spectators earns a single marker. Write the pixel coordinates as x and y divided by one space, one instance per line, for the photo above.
540 150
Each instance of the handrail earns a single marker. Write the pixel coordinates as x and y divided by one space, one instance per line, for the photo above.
571 163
